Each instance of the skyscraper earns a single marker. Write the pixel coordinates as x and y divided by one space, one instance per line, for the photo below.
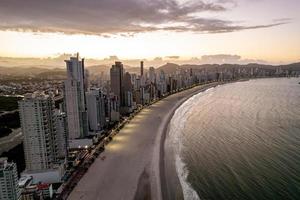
114 108
128 87
75 98
152 75
116 81
38 127
96 109
9 188
61 130
142 68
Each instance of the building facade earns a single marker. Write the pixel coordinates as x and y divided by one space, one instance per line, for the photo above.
9 188
61 132
96 110
38 127
116 81
75 88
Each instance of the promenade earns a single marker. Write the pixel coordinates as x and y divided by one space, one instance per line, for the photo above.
129 168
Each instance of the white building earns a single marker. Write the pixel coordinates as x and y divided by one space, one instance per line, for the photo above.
38 127
96 110
9 188
75 89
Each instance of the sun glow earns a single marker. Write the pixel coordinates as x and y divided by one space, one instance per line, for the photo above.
153 44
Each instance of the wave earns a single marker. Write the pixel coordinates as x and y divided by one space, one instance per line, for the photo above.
177 124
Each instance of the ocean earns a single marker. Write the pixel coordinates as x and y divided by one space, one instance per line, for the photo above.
240 141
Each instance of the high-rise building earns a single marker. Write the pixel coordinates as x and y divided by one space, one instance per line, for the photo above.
116 81
96 109
128 87
61 132
9 188
38 127
162 82
75 89
86 80
114 112
152 75
142 68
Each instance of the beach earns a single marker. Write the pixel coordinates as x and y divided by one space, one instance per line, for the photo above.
133 163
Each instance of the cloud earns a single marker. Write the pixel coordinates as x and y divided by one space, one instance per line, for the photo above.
229 59
220 58
282 20
112 58
173 57
124 17
58 62
158 59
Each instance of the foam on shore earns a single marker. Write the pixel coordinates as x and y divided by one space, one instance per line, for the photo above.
177 124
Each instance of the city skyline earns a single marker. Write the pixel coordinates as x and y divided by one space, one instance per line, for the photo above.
257 30
149 99
67 123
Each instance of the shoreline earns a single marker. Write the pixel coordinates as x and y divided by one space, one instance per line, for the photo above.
170 184
131 167
171 187
167 167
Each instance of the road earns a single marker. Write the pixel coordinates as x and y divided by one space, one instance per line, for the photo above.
131 166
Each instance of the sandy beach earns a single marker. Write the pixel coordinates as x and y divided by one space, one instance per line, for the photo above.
133 167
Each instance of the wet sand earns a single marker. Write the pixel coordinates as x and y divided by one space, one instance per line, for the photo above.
134 165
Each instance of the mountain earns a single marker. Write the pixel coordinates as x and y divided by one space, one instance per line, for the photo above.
35 72
95 70
293 66
53 74
21 71
98 69
171 68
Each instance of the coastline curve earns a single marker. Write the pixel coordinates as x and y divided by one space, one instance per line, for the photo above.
170 182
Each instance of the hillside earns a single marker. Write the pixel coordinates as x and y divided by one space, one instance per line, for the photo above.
96 70
170 68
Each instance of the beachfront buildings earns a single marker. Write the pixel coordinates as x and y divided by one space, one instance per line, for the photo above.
116 82
74 91
96 110
9 189
113 108
61 134
122 87
152 75
38 127
128 95
43 147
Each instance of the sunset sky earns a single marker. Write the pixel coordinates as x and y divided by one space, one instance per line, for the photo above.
266 30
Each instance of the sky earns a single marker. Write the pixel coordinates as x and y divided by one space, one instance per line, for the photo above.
205 30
